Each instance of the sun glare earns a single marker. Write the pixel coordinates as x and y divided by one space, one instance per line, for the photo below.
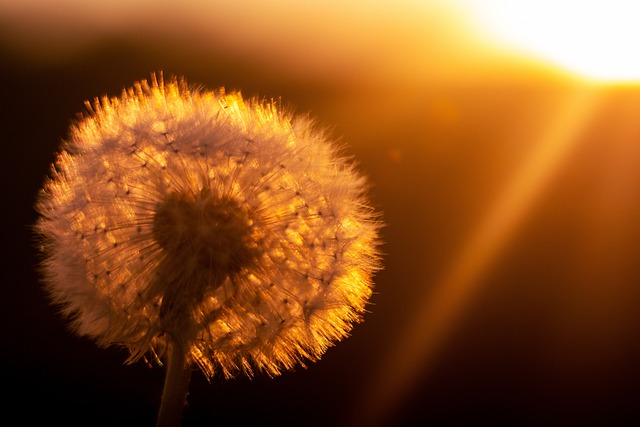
595 39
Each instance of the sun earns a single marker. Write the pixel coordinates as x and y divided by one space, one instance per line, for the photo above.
595 39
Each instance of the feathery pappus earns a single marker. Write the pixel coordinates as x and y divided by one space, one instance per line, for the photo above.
199 217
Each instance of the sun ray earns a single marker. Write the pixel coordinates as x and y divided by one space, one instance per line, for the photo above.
418 345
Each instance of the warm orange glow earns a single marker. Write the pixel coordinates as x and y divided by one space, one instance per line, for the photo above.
595 39
416 348
483 123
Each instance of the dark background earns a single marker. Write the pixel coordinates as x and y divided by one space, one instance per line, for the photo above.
549 334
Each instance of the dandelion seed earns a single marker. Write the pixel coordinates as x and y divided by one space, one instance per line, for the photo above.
224 226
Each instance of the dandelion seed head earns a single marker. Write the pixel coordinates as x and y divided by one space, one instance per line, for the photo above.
180 214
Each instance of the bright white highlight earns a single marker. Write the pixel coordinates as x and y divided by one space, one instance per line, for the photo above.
595 39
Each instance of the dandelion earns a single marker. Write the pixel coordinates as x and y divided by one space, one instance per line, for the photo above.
201 228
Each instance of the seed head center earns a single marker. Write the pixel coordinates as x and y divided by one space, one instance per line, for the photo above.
205 231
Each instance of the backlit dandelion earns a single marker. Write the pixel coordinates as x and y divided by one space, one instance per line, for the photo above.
198 221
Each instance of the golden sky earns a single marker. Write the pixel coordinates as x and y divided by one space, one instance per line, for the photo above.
406 38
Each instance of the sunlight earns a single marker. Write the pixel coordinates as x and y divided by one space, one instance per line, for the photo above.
594 39
419 345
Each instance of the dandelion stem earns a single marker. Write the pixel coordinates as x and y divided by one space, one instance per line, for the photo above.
176 387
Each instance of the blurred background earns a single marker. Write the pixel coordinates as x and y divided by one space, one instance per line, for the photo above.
503 148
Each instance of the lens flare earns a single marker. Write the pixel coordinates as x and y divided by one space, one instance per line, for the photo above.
418 346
